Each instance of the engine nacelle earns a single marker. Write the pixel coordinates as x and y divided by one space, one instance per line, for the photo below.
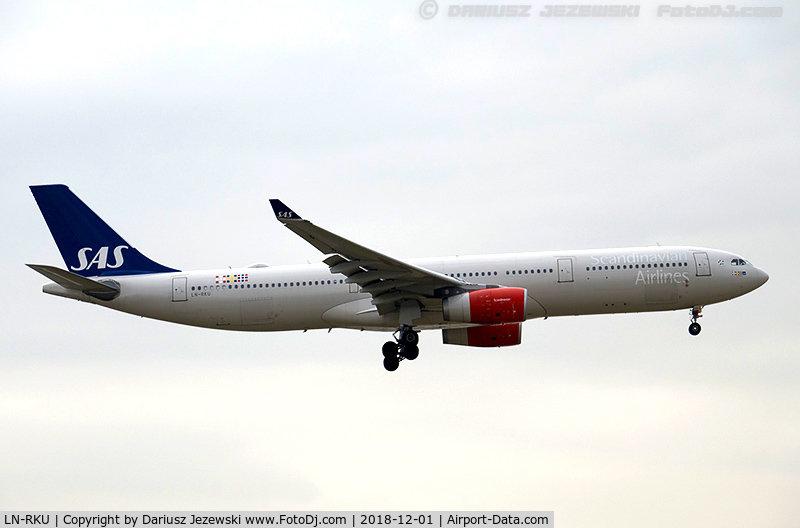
491 306
484 336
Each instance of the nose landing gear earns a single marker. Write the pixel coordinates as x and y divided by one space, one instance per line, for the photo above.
406 347
695 328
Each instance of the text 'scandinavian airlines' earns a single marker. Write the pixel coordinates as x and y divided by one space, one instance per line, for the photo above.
476 301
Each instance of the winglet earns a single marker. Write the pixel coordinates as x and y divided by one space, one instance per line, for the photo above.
282 212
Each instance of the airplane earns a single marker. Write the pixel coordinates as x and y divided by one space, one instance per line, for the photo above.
477 301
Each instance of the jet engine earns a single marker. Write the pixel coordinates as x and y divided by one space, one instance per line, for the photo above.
484 336
491 306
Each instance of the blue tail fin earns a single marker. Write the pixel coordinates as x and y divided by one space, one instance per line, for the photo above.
88 245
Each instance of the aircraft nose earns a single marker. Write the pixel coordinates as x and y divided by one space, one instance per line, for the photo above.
761 277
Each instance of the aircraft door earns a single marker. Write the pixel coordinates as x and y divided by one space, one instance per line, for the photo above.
565 270
178 289
702 264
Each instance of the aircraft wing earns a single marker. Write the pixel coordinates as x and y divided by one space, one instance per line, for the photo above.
388 280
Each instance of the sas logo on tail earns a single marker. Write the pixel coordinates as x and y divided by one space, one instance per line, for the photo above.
100 258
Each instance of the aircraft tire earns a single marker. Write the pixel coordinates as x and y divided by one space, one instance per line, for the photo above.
391 363
389 349
410 352
694 328
409 338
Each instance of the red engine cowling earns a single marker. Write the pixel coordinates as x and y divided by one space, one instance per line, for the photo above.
490 306
484 336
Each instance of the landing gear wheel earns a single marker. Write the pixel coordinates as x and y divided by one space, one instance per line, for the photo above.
409 337
694 328
405 348
409 352
391 363
389 349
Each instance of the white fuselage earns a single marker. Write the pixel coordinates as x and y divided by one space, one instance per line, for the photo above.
557 283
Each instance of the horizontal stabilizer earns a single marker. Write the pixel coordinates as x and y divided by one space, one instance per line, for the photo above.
73 281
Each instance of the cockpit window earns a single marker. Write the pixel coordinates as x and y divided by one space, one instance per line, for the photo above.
740 262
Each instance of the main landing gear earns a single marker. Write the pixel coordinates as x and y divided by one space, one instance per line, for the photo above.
405 347
694 328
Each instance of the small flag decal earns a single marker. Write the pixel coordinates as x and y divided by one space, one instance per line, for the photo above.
226 279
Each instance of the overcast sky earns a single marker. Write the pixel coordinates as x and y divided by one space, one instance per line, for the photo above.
178 121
